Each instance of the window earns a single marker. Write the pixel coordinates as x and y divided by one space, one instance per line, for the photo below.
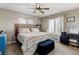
25 21
55 25
21 21
29 21
51 26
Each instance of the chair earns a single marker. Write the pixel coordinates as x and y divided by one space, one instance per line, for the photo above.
64 38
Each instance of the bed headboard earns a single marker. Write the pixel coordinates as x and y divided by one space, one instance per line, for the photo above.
16 26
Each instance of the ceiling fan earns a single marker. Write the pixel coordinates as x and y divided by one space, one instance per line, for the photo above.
39 8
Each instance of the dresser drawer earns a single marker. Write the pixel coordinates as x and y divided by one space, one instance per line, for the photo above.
3 39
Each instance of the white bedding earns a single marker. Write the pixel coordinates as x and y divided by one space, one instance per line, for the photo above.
30 40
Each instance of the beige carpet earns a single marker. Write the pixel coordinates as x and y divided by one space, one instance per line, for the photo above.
60 49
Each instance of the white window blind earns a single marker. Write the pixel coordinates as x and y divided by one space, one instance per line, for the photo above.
25 21
21 21
29 21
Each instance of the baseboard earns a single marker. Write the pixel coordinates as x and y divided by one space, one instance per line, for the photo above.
11 42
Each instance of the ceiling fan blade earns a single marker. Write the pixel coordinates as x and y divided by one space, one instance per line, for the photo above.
34 11
41 11
32 8
44 8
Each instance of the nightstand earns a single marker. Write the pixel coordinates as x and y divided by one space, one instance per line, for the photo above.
3 40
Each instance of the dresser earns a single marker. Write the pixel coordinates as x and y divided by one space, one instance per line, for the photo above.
3 40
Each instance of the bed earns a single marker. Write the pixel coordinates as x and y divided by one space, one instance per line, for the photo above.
30 40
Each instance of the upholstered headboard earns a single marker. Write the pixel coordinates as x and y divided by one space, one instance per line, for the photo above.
16 26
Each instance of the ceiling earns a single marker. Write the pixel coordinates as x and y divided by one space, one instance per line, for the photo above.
54 8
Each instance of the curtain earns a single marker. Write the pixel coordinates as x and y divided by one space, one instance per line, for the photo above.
51 26
55 25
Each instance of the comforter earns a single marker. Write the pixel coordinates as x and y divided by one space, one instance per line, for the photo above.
30 41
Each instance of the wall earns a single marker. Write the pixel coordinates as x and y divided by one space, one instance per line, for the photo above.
44 22
66 14
69 25
9 18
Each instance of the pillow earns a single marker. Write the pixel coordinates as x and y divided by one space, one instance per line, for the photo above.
35 30
23 30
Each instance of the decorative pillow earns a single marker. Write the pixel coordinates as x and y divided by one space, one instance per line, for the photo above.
23 30
35 30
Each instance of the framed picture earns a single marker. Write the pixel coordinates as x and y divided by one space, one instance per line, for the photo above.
70 19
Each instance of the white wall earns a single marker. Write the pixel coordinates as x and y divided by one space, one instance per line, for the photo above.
9 18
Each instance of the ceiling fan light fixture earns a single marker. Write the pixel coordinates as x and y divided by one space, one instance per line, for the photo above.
39 9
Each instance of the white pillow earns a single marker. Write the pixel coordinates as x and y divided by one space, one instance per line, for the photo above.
35 30
23 30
